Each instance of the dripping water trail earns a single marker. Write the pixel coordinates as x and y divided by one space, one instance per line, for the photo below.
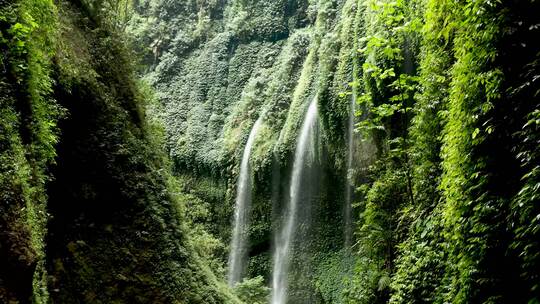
238 254
304 154
349 180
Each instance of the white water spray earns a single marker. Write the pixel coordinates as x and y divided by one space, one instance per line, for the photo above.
238 254
305 150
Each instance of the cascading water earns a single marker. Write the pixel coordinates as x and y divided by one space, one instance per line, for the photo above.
305 151
348 185
238 254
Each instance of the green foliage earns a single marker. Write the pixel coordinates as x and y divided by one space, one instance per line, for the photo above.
139 241
446 95
422 256
28 136
475 209
461 197
123 223
333 277
421 263
378 235
390 82
253 291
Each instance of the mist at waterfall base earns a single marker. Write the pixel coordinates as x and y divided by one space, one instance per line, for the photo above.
295 221
238 253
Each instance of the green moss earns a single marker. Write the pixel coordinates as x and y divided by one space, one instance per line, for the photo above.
119 233
27 139
211 95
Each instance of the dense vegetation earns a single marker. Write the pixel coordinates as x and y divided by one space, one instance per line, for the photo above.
123 124
89 210
459 122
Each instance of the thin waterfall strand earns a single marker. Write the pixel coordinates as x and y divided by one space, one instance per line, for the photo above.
305 150
348 185
238 254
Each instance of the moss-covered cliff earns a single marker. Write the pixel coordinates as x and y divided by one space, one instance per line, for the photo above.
218 67
90 213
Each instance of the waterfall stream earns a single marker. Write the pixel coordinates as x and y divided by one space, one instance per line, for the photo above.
348 180
305 151
238 254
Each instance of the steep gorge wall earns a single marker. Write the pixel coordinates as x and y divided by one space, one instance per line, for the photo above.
89 211
219 65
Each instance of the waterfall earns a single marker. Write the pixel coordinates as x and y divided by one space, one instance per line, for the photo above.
238 254
348 180
305 151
